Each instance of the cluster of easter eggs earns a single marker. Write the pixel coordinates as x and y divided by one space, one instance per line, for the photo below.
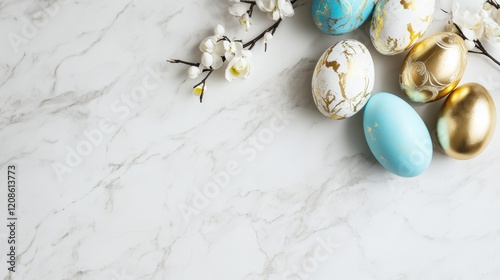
344 76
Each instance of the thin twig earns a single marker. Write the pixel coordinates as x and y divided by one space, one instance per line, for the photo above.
446 12
272 29
478 45
250 8
204 83
250 45
183 62
493 3
485 52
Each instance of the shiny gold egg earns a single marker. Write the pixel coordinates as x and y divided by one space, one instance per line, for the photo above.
433 67
466 121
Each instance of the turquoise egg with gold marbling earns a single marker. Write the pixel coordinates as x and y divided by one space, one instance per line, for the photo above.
336 17
396 135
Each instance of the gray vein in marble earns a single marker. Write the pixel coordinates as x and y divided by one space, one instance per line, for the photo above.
99 38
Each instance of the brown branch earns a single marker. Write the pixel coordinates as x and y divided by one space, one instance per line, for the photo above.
183 62
271 29
250 9
478 45
248 45
251 44
204 83
485 52
493 3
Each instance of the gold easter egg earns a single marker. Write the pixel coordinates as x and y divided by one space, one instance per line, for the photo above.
433 67
466 121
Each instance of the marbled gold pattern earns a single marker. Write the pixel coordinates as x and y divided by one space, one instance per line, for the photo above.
343 79
408 4
397 25
466 121
434 67
337 17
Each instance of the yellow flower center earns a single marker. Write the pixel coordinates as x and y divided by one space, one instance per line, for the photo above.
234 71
197 90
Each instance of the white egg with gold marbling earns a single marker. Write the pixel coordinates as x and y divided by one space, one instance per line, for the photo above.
398 24
343 79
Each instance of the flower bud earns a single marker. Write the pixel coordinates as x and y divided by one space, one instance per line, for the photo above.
207 59
470 44
267 37
199 89
208 44
219 31
193 72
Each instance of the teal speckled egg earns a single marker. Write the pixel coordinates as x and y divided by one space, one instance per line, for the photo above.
396 135
337 17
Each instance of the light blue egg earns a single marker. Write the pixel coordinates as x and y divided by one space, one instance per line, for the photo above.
337 17
396 135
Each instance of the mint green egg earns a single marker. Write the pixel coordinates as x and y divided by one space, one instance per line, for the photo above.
396 135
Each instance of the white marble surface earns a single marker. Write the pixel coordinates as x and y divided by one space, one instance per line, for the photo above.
306 199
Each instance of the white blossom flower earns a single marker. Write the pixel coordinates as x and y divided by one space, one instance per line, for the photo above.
246 21
219 31
221 47
267 6
483 24
199 88
470 24
231 49
276 9
238 68
491 20
208 44
235 49
238 9
193 72
492 32
285 8
493 12
241 11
